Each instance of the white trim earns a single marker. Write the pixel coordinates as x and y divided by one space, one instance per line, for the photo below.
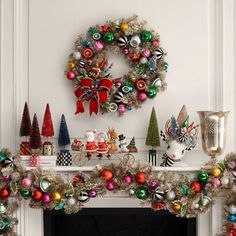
1 72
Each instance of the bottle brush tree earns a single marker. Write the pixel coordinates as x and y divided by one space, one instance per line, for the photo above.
47 127
25 127
64 138
35 138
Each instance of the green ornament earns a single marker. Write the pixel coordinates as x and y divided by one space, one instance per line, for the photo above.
152 92
45 185
4 225
142 69
146 36
25 193
221 166
186 123
95 34
165 66
203 176
3 156
109 38
59 206
127 88
185 190
142 192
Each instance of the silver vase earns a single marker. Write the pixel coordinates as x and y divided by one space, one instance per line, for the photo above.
213 129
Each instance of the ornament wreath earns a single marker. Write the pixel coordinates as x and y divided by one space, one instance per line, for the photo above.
183 195
88 67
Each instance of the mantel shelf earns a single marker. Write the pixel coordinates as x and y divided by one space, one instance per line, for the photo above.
91 168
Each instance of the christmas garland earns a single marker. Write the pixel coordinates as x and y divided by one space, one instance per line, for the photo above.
89 70
183 195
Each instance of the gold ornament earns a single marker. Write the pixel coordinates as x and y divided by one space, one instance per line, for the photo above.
216 172
124 26
56 196
176 206
71 65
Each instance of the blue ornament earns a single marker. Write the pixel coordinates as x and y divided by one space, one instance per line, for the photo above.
232 217
152 63
174 126
59 206
86 43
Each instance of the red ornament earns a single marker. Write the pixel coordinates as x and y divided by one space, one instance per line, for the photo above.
5 192
107 174
196 187
78 179
37 195
47 128
134 56
141 177
158 205
87 53
141 85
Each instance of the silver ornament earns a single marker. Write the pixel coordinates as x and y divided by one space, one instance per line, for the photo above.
83 197
77 55
135 41
195 205
159 53
158 194
224 180
113 107
122 41
71 201
232 209
170 195
131 192
119 98
143 60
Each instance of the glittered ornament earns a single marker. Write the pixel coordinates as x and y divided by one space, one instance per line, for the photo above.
196 187
134 56
77 55
71 201
122 41
203 176
155 43
70 75
71 65
152 184
146 52
4 225
232 209
135 41
224 180
143 60
158 194
108 38
170 195
127 179
99 45
205 200
141 177
124 26
26 182
45 185
152 92
176 206
5 192
37 195
232 218
46 198
56 196
83 197
140 85
25 193
215 182
107 174
110 186
142 96
93 193
87 53
146 36
216 172
141 192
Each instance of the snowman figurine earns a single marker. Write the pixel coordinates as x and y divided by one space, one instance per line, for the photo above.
123 144
90 145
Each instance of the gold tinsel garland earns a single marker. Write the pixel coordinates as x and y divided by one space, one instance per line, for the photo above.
185 195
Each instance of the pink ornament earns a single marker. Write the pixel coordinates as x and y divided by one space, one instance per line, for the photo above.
99 45
93 193
90 62
142 96
126 51
215 182
122 108
46 198
6 177
26 183
70 75
153 184
146 53
127 179
110 186
155 43
118 84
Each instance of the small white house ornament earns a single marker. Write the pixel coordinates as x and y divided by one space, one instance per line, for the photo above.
180 136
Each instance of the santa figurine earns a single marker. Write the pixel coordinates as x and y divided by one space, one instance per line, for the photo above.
102 144
90 145
123 144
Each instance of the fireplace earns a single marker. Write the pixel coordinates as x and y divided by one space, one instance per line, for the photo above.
116 222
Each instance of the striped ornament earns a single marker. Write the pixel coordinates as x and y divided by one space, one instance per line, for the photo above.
83 197
158 194
167 161
118 97
82 64
159 53
122 41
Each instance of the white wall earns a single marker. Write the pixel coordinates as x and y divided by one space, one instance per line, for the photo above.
36 37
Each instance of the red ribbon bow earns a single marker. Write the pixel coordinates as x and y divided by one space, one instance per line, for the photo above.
232 230
93 92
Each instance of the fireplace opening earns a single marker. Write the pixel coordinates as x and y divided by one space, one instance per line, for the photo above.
117 222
